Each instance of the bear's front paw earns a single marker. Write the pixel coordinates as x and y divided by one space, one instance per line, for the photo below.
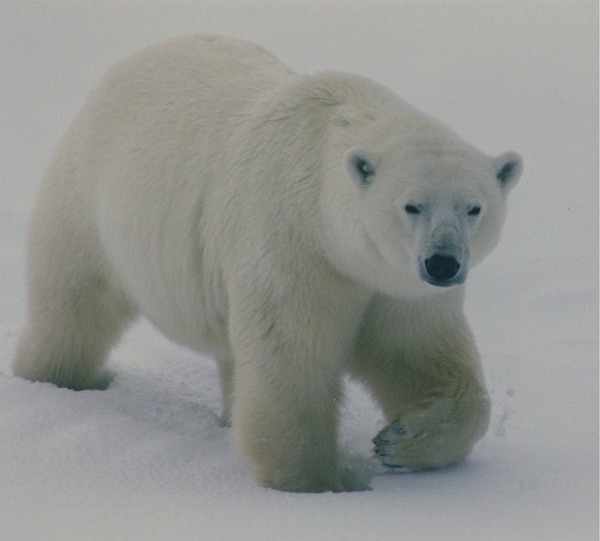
388 446
437 434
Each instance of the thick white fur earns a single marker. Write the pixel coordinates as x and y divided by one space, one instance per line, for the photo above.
209 188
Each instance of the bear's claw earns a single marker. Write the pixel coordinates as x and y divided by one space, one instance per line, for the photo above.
384 444
398 428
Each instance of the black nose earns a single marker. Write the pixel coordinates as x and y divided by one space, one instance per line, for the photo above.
442 267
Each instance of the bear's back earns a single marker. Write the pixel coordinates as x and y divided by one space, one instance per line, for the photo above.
179 74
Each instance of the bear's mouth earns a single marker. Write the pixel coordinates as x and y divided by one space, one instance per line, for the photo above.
446 283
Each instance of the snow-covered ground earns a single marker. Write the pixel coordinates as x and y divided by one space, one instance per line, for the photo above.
147 460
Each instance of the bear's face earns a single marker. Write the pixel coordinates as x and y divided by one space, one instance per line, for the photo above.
415 218
450 213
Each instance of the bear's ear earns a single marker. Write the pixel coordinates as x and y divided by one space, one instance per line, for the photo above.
360 166
509 167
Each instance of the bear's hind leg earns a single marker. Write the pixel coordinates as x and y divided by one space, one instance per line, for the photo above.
69 331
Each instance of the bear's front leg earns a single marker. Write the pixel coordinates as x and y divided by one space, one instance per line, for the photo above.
287 425
286 393
420 362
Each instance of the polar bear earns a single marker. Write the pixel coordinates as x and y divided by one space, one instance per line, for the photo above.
295 227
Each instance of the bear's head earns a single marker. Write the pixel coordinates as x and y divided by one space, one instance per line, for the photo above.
409 207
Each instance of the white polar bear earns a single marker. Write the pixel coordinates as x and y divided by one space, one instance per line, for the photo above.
295 227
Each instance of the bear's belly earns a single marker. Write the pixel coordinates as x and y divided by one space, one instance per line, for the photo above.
166 275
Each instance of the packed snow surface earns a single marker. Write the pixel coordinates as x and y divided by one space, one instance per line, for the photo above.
147 459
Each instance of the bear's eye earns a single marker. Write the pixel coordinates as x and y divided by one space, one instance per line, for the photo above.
474 211
411 209
364 169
